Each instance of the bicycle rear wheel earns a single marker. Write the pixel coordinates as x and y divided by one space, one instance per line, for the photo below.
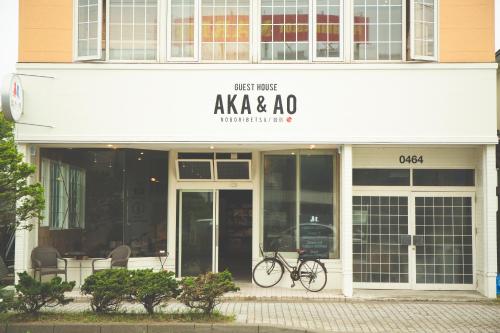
312 275
268 272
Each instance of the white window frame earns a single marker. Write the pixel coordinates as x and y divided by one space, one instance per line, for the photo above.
250 39
249 162
413 55
179 160
76 57
257 41
403 36
196 41
342 39
158 35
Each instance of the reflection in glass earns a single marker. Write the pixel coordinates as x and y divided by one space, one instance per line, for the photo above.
317 232
280 199
182 28
197 231
101 198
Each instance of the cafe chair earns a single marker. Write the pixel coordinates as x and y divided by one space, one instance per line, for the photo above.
6 273
45 259
119 258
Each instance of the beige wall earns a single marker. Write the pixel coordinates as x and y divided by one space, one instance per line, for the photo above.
467 29
45 30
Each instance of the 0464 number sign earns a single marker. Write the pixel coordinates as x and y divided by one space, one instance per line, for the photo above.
411 159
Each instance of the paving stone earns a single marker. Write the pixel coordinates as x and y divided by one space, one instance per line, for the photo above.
77 328
30 328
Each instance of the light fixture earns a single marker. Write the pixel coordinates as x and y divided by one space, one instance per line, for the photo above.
142 153
312 146
153 179
110 146
139 158
212 147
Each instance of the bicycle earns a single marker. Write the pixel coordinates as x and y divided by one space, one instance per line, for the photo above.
311 272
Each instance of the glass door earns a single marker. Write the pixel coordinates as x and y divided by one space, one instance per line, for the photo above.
197 232
443 240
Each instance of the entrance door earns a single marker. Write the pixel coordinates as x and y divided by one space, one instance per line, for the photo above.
196 232
235 233
215 232
413 240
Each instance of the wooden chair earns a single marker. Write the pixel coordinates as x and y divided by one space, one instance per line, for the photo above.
45 261
119 258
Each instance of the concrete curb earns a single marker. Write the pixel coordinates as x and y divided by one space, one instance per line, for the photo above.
144 328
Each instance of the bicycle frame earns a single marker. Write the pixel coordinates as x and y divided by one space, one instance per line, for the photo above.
281 259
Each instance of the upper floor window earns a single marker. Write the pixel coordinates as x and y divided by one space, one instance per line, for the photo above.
280 30
133 29
378 30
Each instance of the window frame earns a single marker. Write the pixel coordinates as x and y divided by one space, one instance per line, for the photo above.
216 173
179 179
342 39
158 35
413 54
100 14
197 31
404 22
335 202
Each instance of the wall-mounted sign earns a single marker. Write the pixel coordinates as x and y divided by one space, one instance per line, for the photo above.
255 103
12 97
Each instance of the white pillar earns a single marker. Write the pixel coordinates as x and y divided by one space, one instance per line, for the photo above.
346 218
25 239
490 204
171 212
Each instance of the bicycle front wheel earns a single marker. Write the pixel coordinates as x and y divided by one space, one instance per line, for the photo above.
268 272
312 275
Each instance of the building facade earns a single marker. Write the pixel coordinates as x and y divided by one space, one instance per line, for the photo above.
362 131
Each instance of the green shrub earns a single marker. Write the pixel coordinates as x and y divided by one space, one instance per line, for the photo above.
204 291
153 288
108 289
33 295
6 300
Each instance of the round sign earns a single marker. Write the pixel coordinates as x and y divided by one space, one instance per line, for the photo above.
12 97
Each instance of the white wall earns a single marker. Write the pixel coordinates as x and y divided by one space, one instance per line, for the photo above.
426 103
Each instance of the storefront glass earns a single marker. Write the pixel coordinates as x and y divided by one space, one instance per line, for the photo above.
299 203
97 199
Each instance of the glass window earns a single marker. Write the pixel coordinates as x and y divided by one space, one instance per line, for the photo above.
381 177
299 204
378 28
194 170
99 199
182 29
423 18
133 26
284 30
317 232
443 177
89 29
225 30
233 169
64 190
328 39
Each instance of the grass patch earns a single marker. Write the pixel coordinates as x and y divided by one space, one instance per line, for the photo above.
120 317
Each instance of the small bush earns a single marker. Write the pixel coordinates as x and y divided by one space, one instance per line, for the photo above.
6 300
204 291
33 295
153 288
108 289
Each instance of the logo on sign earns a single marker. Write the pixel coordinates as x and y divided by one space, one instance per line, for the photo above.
13 98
